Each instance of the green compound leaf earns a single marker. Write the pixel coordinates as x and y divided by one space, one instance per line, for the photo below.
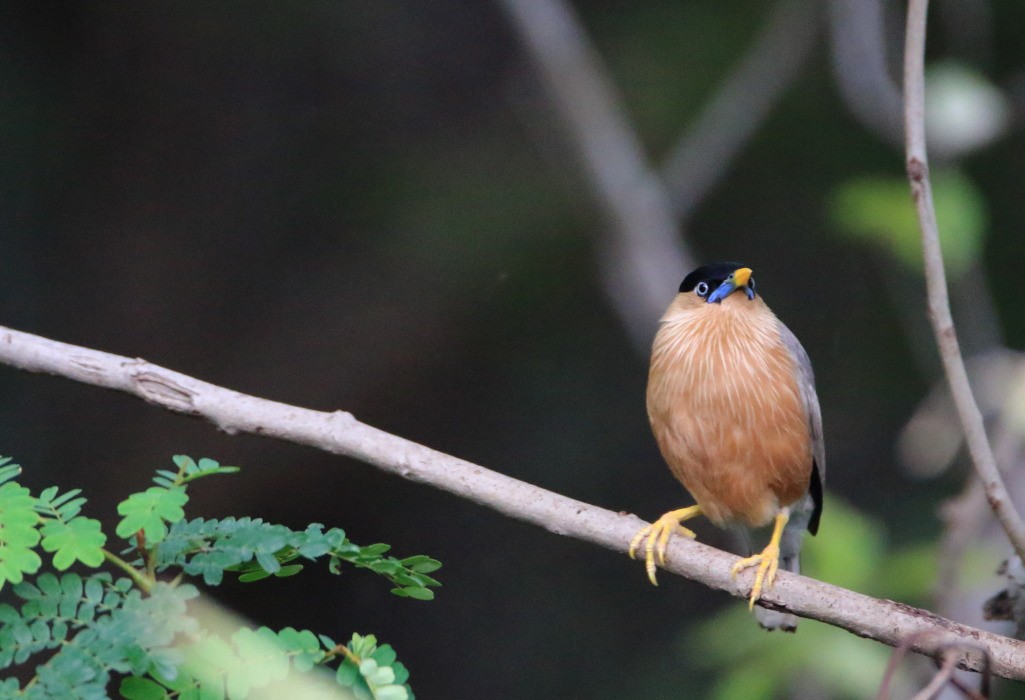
148 511
211 547
81 539
18 533
61 507
256 550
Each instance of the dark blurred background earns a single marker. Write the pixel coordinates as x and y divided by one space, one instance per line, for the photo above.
391 208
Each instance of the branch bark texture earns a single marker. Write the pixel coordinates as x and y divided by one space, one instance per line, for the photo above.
936 280
340 433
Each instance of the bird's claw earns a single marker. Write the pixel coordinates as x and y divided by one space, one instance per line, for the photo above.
768 565
656 540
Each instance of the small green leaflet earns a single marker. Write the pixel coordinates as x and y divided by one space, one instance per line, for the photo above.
78 540
148 511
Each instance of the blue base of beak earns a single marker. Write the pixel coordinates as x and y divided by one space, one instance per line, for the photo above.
727 288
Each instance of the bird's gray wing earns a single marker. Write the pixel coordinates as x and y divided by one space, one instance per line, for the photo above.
810 399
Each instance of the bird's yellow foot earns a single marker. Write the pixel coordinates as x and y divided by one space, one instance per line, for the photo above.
656 537
767 561
768 565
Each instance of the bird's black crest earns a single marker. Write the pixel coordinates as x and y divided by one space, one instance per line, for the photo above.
713 274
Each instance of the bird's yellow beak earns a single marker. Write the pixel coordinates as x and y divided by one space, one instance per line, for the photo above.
738 280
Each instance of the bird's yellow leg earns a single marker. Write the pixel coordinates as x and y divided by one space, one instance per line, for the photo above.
656 537
767 561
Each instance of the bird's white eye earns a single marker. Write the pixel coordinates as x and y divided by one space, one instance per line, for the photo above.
751 284
702 289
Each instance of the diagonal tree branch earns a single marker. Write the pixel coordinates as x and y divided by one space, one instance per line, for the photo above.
936 280
740 105
642 249
340 433
857 39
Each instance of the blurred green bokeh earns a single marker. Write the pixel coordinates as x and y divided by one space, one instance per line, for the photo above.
879 210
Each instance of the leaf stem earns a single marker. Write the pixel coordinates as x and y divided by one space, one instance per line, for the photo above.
144 583
342 649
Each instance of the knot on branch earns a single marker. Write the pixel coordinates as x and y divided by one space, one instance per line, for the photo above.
161 390
918 170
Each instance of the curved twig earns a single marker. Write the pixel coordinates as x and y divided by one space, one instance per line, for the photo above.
340 433
936 280
940 679
948 649
900 650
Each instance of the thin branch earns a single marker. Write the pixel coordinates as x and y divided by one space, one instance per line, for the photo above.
705 152
965 518
936 281
340 433
859 52
900 650
643 250
942 677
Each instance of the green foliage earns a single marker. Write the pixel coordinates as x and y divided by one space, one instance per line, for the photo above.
880 210
92 629
98 627
256 550
252 660
371 670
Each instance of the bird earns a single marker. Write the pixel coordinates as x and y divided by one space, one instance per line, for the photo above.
732 404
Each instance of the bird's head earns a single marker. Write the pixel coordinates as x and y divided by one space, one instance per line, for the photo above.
716 281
